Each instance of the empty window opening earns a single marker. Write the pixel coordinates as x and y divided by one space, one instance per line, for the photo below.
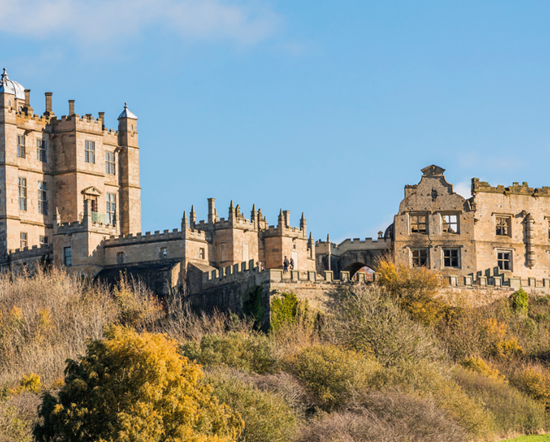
503 226
450 223
43 240
201 253
419 224
163 252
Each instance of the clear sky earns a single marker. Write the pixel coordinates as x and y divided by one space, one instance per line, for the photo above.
326 107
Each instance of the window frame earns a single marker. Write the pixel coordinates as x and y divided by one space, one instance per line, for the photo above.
22 194
21 146
419 257
163 252
110 207
510 260
120 258
89 151
445 224
110 163
507 226
458 257
414 220
41 155
68 257
23 240
42 197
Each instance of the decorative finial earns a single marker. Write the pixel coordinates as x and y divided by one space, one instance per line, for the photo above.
125 105
4 76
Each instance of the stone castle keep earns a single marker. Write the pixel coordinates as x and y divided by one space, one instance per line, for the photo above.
70 196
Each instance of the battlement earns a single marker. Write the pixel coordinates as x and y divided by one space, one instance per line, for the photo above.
515 189
121 240
499 282
30 252
249 270
222 223
276 231
81 226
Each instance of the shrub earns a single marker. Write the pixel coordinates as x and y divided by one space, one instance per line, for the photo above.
535 381
286 309
429 381
382 418
478 365
507 349
520 301
132 387
414 288
512 411
18 416
333 375
250 352
267 418
367 320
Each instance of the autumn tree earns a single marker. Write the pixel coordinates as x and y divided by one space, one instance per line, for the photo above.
132 387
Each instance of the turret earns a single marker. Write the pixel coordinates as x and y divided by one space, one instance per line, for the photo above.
303 222
184 224
231 211
310 243
212 214
193 218
253 214
281 220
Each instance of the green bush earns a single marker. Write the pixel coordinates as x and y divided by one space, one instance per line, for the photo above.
520 301
267 418
333 375
512 411
244 351
285 310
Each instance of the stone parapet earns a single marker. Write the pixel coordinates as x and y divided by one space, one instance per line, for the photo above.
115 241
515 189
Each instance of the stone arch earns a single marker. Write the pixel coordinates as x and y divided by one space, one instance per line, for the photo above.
355 267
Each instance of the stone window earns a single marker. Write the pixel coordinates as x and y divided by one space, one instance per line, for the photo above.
450 223
163 252
89 152
23 194
120 258
68 256
451 258
21 146
23 240
111 208
42 239
504 260
41 151
503 226
42 198
110 163
201 253
420 258
419 224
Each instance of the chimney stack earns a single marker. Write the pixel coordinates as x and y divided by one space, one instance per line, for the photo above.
49 112
102 118
71 108
212 215
28 107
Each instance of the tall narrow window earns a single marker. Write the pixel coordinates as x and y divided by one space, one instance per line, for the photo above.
201 253
23 240
110 163
120 258
111 208
163 252
42 198
21 146
41 151
23 194
89 152
419 224
450 223
67 256
420 258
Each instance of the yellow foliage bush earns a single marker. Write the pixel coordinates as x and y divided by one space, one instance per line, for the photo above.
507 349
535 381
478 365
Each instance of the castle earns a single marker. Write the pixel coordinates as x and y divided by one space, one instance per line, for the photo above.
70 196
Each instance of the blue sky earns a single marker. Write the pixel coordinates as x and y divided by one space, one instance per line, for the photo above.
325 107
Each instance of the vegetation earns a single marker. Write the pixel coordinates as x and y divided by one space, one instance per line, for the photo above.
392 361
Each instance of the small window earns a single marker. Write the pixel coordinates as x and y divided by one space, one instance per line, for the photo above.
43 240
420 258
504 260
120 258
89 152
163 252
110 163
450 223
503 226
23 240
111 208
419 224
41 151
201 253
68 256
451 258
23 194
42 198
21 146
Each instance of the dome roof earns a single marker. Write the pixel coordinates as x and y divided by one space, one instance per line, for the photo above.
126 113
11 87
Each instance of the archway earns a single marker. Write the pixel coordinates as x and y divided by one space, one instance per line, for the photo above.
357 267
